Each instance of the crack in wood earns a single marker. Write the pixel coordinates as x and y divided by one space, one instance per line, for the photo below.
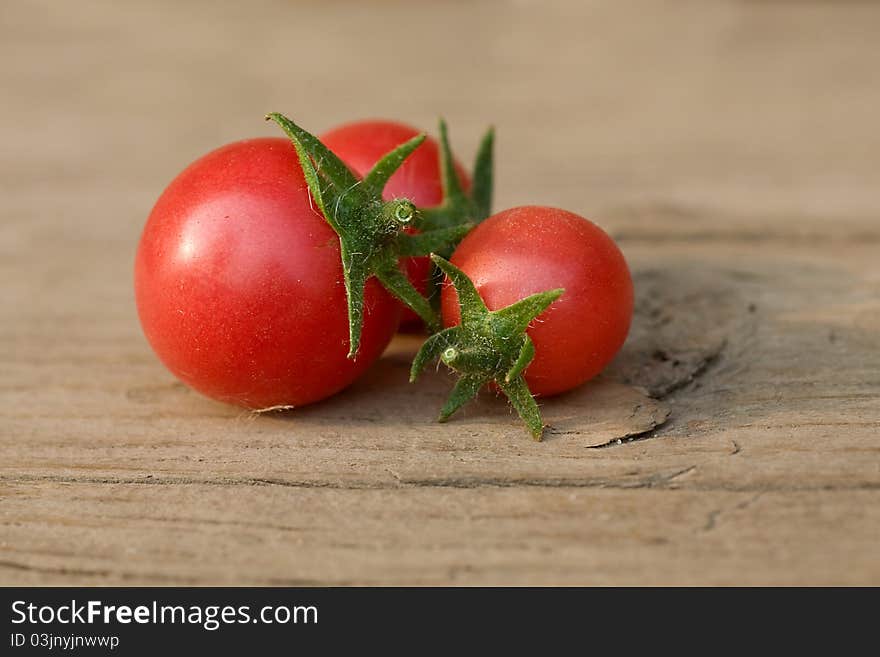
713 516
659 481
101 573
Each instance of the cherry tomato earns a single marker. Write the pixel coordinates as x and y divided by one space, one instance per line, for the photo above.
526 250
239 286
361 144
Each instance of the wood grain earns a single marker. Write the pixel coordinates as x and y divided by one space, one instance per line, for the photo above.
732 149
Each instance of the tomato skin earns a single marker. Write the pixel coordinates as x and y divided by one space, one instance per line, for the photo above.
363 143
239 285
530 249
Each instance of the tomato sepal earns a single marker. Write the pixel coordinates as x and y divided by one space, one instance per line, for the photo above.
487 346
459 207
466 388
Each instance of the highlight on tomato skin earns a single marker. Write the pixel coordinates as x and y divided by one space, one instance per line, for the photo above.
239 283
529 249
360 144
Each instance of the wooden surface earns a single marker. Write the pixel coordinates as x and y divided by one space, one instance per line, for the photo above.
731 147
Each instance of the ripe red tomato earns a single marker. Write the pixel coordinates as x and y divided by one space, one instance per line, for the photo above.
526 250
363 143
239 285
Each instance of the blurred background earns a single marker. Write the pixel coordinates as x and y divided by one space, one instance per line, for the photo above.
652 110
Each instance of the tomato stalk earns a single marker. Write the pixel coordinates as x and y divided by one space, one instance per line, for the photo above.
371 231
487 346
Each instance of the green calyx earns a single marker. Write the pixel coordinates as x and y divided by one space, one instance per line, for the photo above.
459 207
487 346
371 231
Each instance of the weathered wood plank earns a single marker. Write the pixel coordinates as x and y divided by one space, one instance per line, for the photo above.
737 164
131 534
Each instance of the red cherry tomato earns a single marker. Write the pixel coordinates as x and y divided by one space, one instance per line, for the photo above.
526 250
239 285
363 143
